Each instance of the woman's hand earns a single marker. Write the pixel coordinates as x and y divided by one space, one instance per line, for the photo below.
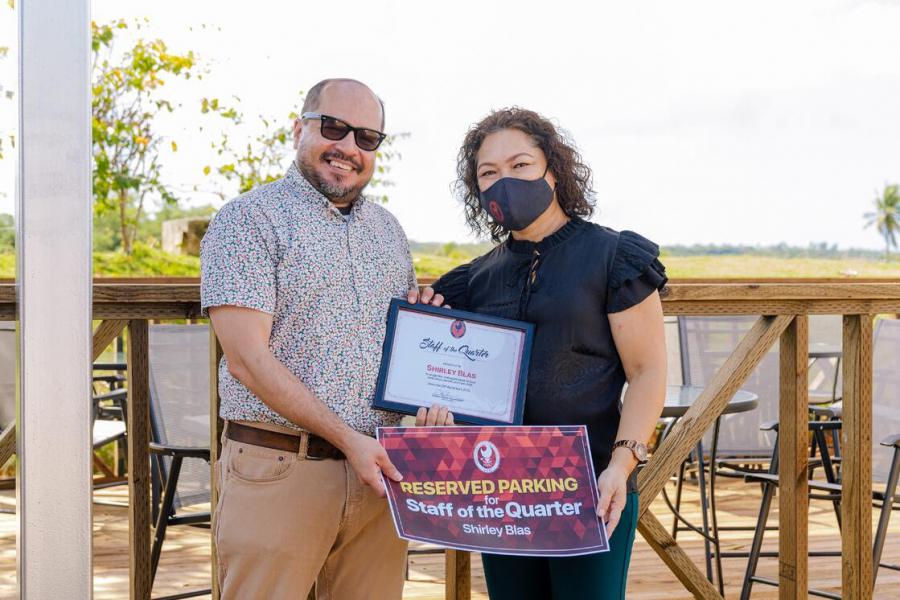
613 487
436 416
427 297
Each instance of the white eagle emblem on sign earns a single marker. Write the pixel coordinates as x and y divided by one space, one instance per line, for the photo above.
487 457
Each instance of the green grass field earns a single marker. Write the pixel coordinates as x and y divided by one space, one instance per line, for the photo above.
727 266
766 266
150 262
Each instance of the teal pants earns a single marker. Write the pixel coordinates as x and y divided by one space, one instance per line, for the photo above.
600 576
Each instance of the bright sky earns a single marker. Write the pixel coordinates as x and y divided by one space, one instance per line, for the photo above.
752 122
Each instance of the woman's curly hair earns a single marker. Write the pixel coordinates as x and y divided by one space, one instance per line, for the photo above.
573 178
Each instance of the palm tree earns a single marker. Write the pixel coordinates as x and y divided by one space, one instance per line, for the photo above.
886 217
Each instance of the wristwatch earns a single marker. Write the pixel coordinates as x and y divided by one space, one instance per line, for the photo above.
638 449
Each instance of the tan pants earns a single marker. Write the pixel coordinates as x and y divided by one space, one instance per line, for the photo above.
285 522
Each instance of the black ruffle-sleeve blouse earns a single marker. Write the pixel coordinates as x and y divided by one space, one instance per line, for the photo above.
567 284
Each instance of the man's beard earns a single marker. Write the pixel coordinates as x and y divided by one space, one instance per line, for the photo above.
336 192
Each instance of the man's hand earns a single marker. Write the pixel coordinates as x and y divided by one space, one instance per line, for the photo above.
369 459
427 297
436 416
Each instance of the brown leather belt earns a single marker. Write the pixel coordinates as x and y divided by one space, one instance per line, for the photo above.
318 448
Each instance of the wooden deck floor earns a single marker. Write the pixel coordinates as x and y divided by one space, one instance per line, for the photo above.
185 560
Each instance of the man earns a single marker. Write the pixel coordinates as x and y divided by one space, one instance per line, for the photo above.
297 276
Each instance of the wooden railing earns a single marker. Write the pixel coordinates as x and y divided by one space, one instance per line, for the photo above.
783 306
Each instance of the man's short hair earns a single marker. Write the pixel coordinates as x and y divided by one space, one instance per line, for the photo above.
311 103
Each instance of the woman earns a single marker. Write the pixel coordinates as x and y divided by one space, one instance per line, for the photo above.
593 295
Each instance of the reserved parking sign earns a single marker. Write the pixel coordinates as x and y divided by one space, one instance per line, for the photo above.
505 490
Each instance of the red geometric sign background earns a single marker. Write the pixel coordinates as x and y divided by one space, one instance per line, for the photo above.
540 500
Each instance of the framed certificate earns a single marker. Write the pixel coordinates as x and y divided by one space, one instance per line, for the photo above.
476 365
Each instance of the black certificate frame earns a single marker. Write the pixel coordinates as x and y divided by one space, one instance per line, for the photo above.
452 315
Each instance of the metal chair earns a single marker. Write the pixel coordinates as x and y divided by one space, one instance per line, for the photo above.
109 427
885 458
830 490
825 340
105 431
705 343
179 416
7 387
743 444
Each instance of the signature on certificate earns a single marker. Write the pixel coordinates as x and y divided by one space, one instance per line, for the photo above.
441 395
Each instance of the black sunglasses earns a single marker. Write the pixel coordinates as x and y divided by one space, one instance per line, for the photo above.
334 129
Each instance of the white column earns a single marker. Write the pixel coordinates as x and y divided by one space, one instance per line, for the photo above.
54 299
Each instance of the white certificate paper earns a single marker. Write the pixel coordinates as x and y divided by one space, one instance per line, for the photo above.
473 368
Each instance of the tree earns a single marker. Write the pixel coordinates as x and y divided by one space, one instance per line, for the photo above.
263 158
128 91
6 136
7 232
127 97
886 217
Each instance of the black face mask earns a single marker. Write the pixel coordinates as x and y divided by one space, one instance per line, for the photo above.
517 203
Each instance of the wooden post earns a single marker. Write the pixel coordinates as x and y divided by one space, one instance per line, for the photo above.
458 585
104 335
856 466
216 425
139 459
793 501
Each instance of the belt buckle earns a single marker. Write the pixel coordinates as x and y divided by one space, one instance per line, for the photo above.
308 455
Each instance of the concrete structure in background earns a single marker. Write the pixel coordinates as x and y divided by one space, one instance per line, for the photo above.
182 236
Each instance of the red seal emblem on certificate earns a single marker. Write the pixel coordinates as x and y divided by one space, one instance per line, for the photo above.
458 328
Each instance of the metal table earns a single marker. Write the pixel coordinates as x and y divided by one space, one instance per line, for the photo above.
119 362
679 399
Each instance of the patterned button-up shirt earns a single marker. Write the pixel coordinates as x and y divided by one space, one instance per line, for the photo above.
285 249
